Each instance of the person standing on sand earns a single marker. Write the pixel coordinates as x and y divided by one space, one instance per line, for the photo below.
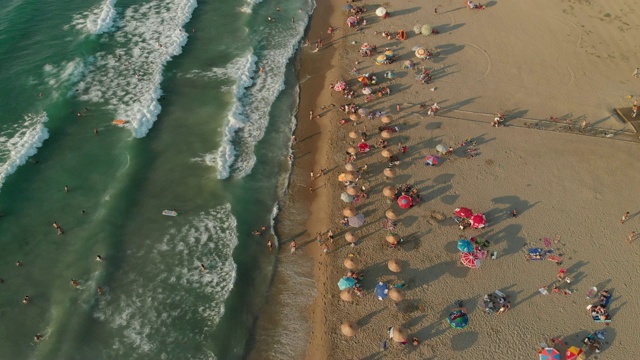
631 236
293 246
636 73
625 217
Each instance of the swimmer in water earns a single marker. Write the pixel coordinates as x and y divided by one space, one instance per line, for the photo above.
26 299
203 268
55 225
74 282
66 188
38 337
99 290
98 258
19 263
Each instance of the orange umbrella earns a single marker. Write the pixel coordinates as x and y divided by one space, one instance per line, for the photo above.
392 239
342 177
349 328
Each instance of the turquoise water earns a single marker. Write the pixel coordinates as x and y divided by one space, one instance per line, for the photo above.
206 134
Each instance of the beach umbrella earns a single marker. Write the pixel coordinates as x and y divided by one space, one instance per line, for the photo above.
421 53
348 212
404 201
463 212
351 190
388 172
339 86
350 263
470 260
353 134
351 176
356 221
465 246
367 90
363 147
574 353
391 215
351 150
347 7
347 294
458 319
389 54
381 11
350 237
441 149
363 79
381 290
392 238
348 328
386 153
352 20
381 59
386 119
399 334
354 117
396 294
350 167
394 265
386 134
426 30
346 197
346 283
431 160
478 221
388 191
363 111
417 29
342 177
549 354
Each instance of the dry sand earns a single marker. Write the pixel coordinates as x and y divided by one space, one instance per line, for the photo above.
529 60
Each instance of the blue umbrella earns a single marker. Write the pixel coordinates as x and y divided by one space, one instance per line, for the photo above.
346 282
347 7
465 246
382 291
458 319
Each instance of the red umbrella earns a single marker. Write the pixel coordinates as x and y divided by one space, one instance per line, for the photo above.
464 212
364 147
404 201
478 221
470 260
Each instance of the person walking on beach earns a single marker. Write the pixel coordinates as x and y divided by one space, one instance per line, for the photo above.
625 217
293 246
583 125
631 237
636 73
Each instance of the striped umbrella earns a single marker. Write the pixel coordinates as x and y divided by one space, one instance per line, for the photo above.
470 260
549 354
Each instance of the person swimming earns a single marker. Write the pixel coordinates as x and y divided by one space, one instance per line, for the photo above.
203 268
98 258
26 299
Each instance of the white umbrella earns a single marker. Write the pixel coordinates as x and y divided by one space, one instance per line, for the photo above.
367 90
356 221
421 53
381 11
426 30
417 29
346 197
441 148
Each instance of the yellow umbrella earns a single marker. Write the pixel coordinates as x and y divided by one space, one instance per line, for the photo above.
350 263
351 190
386 153
349 328
386 119
388 191
350 237
394 265
347 294
349 212
388 172
353 134
391 215
386 134
392 239
396 294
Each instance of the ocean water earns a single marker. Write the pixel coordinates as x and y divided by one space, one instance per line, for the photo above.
206 134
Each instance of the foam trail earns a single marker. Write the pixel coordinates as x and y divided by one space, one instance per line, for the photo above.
127 80
175 291
248 6
63 75
19 142
98 20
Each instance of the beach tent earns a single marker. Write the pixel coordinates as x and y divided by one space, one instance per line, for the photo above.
470 260
356 221
382 290
465 246
478 221
404 202
549 354
458 319
346 283
464 212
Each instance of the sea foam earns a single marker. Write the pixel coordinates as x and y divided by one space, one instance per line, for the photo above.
127 80
97 20
19 142
174 290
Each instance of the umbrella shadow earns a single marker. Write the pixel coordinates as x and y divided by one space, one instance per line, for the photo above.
436 193
510 202
449 199
458 105
405 11
509 235
408 220
463 341
433 125
365 320
514 114
441 73
446 28
443 178
448 49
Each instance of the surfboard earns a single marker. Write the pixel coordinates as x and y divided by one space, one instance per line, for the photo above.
169 213
119 122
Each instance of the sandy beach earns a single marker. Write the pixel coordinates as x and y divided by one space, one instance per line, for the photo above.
562 160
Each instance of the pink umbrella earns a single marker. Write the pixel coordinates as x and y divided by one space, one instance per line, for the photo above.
339 86
470 260
478 221
404 201
463 212
364 147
